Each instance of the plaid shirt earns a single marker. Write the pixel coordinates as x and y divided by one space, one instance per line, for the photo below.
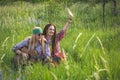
38 48
59 37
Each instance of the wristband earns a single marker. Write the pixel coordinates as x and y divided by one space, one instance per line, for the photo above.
69 20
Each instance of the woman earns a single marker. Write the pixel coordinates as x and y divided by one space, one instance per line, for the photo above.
34 49
54 38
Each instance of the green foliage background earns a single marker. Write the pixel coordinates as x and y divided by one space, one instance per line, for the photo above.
91 46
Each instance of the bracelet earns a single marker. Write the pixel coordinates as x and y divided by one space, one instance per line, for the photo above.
70 20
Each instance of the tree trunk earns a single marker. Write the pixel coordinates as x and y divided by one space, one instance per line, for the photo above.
114 7
104 1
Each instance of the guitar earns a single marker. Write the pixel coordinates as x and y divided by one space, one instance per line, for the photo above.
33 54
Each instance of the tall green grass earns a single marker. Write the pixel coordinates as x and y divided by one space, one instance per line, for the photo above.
92 48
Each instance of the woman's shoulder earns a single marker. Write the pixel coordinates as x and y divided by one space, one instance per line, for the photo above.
60 32
60 35
27 38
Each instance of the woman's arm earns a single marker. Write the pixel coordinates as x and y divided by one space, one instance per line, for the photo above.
69 20
61 34
65 28
20 45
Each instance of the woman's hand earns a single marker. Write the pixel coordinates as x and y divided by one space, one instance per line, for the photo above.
69 20
48 59
24 55
42 39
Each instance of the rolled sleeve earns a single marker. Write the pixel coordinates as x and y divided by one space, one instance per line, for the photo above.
60 35
20 45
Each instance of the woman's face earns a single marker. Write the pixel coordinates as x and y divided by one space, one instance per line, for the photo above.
51 30
37 36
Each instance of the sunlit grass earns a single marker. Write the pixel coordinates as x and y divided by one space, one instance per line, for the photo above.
92 48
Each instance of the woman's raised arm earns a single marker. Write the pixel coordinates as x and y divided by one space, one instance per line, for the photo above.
69 20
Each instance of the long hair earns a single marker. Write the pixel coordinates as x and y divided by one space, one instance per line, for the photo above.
53 37
32 41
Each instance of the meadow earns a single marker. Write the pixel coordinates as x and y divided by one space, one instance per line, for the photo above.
92 48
